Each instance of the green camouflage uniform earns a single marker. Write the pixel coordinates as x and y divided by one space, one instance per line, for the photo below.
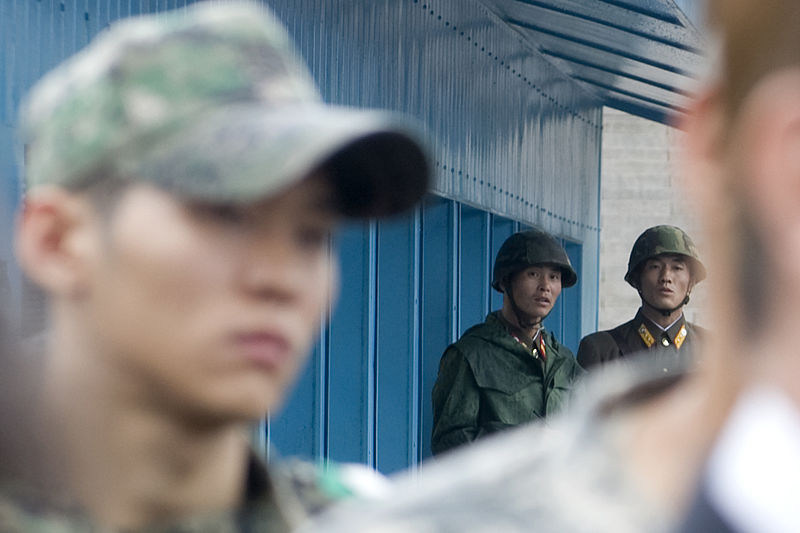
276 499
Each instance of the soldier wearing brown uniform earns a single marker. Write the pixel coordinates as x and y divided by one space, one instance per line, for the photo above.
663 267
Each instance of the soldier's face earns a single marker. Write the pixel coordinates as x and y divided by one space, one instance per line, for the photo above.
211 309
665 281
536 290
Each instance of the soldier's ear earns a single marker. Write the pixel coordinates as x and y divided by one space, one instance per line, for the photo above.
50 240
637 279
505 284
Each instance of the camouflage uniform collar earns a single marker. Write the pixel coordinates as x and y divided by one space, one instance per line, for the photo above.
266 505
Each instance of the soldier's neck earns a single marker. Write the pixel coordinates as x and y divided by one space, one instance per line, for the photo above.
129 462
511 320
660 318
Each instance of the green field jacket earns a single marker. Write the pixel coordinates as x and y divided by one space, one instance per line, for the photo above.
488 381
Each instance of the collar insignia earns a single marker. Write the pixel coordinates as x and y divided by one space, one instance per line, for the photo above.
646 336
680 337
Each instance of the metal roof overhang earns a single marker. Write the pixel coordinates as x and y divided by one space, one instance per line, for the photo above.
639 56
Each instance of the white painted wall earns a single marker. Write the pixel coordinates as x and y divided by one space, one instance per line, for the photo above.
640 188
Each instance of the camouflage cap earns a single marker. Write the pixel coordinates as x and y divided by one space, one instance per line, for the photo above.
660 240
529 248
212 102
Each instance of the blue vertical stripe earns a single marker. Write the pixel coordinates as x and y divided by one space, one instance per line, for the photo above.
412 285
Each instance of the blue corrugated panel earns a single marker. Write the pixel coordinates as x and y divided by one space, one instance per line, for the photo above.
437 321
511 132
351 404
515 144
572 327
501 229
397 344
476 267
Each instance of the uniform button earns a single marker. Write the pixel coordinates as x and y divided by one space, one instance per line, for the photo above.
665 342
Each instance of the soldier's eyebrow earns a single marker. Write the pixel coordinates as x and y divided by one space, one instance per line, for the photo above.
324 202
323 198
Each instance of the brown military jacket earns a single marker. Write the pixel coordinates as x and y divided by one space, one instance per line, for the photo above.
638 335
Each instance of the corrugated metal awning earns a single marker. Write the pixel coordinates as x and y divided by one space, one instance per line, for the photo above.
639 56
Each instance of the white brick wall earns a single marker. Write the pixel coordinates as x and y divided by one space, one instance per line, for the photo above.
639 189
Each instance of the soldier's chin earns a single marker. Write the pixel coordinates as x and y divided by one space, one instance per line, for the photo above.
538 317
667 303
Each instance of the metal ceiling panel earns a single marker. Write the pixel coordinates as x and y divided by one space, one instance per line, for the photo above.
640 56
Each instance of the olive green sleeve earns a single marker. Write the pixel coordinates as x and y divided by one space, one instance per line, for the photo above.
456 403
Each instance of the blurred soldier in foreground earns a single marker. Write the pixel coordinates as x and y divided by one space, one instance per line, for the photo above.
632 452
184 181
664 267
508 370
744 147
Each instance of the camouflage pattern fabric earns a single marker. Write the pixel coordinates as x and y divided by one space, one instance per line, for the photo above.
663 240
277 500
210 102
567 477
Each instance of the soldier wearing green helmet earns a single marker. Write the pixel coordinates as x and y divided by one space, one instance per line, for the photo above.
508 370
664 266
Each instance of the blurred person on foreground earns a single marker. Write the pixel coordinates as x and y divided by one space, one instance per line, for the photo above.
642 448
184 180
744 143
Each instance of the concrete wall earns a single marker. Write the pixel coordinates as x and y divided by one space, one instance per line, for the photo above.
640 187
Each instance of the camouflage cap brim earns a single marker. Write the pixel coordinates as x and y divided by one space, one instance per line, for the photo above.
246 153
211 102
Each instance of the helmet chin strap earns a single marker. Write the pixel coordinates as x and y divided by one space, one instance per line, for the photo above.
665 311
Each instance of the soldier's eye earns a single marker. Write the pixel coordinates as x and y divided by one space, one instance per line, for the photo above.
313 237
221 213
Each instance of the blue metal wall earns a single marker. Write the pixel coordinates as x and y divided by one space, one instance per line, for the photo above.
512 134
410 287
515 144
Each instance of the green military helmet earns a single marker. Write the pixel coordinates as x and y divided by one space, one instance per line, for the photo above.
530 248
660 240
